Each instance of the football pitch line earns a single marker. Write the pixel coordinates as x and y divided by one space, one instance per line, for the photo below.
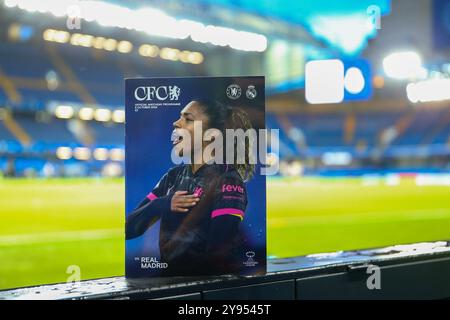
362 218
281 222
59 236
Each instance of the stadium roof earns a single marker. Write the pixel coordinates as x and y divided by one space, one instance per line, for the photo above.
340 23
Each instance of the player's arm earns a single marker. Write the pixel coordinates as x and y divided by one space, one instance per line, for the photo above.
149 210
145 215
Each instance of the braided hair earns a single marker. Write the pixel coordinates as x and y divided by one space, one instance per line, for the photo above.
224 117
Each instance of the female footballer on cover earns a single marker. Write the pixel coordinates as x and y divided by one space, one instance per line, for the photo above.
199 205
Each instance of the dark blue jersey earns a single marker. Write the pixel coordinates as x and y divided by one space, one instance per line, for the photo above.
206 239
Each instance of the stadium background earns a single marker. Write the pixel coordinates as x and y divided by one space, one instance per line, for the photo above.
367 166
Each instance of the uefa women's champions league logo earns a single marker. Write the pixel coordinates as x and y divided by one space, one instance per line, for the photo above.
250 261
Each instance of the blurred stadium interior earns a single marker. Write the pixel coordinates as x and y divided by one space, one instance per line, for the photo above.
61 116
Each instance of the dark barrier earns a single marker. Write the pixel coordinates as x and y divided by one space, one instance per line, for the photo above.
417 271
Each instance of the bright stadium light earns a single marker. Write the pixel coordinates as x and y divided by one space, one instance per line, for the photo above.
112 170
64 153
124 46
118 116
82 153
404 65
103 115
101 154
87 40
98 42
186 56
86 113
64 112
190 57
56 7
11 3
195 57
148 50
148 20
429 90
349 33
110 44
169 54
412 92
56 36
117 154
84 40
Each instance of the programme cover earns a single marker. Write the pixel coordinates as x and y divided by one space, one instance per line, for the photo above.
195 192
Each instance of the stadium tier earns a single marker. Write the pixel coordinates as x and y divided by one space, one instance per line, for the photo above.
370 125
31 134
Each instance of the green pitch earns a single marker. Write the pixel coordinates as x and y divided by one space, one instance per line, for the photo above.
48 225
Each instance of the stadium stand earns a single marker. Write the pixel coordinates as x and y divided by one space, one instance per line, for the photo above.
321 130
423 121
371 124
67 75
108 134
5 134
39 130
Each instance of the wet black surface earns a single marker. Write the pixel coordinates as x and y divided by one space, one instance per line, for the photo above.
278 270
